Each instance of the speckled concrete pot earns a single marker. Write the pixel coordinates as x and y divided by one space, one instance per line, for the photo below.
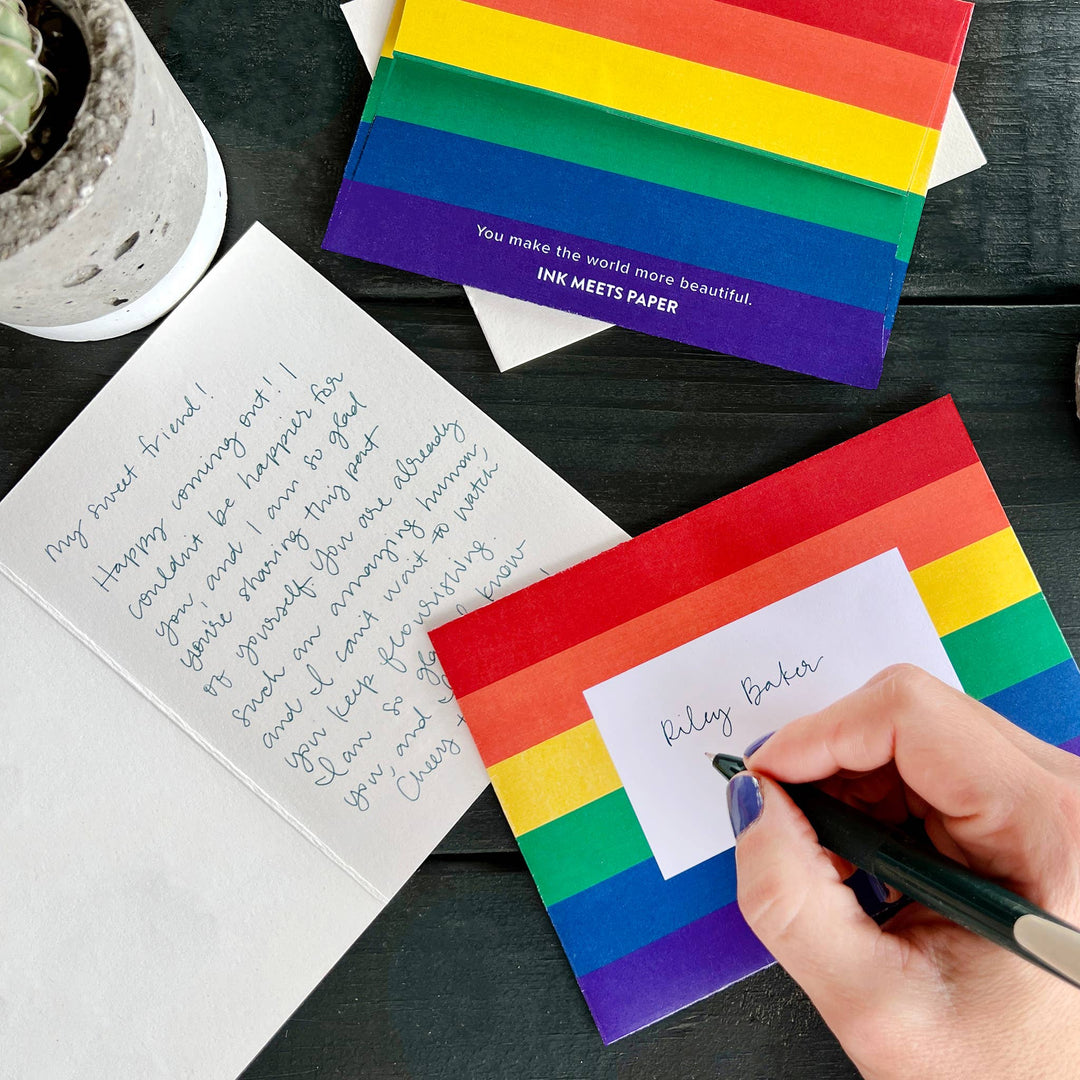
115 229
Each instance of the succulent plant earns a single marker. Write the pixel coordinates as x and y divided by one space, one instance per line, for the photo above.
23 79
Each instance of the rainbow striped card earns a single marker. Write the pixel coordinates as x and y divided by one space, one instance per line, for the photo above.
642 945
746 176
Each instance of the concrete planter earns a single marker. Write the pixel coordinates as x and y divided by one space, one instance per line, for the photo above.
115 229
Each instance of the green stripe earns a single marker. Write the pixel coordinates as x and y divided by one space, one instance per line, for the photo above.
478 107
913 208
377 90
1005 648
584 847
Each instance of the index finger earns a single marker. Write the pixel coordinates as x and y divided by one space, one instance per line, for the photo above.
948 748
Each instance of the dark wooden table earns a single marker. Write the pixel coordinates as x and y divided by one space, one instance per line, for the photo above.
462 977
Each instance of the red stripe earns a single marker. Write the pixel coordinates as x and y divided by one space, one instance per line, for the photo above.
761 46
932 28
547 698
728 535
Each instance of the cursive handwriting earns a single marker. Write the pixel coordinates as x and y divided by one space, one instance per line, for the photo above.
756 691
672 732
307 639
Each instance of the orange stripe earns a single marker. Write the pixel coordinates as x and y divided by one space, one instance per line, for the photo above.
753 523
546 699
763 46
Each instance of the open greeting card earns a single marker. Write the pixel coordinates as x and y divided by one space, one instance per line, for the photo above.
743 176
227 742
594 695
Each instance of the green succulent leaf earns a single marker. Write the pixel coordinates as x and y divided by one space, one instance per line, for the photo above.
23 81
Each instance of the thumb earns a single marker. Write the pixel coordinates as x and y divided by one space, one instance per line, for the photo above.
793 898
984 799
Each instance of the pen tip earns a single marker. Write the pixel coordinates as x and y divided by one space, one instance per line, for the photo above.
727 765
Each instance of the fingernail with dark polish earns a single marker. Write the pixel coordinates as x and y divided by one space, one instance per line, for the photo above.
757 744
744 801
878 888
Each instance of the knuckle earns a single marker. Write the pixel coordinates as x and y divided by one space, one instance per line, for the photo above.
1068 798
905 683
907 694
969 796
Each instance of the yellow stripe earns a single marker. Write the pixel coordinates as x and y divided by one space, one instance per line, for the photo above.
393 28
554 777
752 112
978 580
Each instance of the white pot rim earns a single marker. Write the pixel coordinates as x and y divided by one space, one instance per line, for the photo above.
175 285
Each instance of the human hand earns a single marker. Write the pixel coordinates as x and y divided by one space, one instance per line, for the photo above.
919 996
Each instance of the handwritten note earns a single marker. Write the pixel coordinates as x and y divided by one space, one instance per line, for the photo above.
258 521
720 692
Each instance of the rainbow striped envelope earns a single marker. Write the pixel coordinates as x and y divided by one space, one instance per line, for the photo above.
746 176
642 945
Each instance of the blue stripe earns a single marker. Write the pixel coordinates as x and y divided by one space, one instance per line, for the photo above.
357 150
637 907
1047 704
598 205
897 284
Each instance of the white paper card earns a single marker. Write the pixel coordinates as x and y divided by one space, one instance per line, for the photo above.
247 532
369 21
518 331
257 522
958 152
721 691
160 922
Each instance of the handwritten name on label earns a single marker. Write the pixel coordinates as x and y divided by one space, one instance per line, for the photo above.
691 723
720 691
755 691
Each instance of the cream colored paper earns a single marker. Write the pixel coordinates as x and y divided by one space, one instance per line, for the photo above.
227 740
159 922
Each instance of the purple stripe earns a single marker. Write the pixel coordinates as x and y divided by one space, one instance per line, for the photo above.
679 969
1073 746
778 326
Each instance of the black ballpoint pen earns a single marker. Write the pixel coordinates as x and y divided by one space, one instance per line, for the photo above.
922 873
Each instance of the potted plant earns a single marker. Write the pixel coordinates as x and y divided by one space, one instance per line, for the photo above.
23 80
112 194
